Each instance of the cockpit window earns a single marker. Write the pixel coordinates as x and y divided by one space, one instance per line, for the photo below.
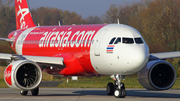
112 40
128 40
118 41
138 40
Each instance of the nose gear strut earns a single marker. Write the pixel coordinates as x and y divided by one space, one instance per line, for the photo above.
119 88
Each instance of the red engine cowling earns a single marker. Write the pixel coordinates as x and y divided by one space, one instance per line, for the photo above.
23 75
157 75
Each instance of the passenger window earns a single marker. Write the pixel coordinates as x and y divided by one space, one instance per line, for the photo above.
128 40
118 41
139 41
112 40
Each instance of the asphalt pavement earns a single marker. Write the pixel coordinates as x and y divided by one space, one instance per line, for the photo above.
89 94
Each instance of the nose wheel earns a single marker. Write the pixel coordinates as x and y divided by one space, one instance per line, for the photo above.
24 93
34 92
120 93
118 90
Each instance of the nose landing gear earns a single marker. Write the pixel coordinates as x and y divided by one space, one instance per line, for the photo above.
34 92
118 90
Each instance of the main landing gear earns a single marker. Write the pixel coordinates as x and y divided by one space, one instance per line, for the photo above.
34 92
118 90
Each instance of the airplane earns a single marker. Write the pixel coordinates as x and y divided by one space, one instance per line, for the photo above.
115 50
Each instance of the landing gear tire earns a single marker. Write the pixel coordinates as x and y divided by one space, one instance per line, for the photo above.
110 88
123 93
35 92
119 87
117 93
120 93
24 93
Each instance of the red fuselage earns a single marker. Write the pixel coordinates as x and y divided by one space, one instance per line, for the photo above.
70 42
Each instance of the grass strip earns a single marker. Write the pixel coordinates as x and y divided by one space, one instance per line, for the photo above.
97 82
101 82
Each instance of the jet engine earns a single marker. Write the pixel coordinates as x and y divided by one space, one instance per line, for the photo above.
23 75
157 75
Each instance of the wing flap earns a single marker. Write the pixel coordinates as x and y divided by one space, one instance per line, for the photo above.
5 56
38 59
49 60
166 55
6 39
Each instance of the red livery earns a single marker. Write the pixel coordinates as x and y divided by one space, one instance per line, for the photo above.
116 50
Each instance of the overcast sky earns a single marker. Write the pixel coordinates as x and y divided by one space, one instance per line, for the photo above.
85 8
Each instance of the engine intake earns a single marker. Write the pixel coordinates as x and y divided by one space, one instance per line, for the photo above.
157 75
23 75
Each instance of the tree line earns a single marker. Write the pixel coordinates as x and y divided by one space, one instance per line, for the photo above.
157 20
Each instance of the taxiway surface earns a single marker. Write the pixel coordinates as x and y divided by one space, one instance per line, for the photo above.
89 94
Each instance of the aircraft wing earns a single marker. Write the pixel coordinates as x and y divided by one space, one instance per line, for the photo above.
166 55
38 59
6 39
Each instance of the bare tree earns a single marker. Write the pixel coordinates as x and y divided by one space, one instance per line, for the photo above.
94 20
111 15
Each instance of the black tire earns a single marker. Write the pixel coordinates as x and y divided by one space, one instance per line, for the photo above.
35 92
123 93
24 93
117 93
120 93
110 89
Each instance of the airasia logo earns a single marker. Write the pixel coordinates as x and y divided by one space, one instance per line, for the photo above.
66 38
7 75
23 12
19 1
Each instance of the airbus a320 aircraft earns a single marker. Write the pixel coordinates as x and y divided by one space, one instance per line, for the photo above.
79 50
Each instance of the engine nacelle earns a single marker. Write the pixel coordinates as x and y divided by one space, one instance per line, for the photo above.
23 75
157 75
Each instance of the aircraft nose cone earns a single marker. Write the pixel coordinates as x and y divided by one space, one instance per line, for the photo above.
133 59
140 57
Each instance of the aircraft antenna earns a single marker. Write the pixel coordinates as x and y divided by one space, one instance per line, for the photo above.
59 23
118 21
